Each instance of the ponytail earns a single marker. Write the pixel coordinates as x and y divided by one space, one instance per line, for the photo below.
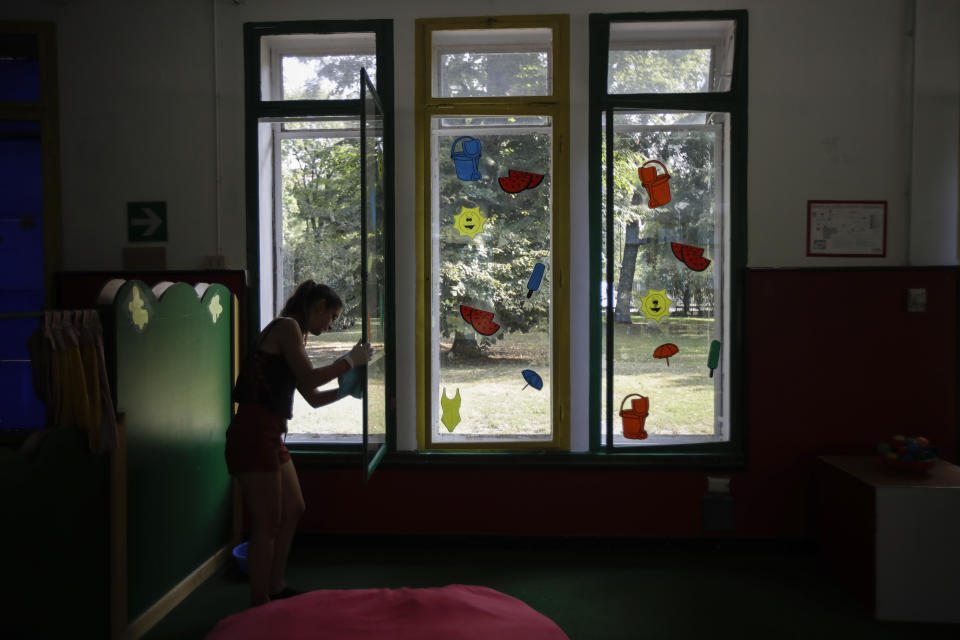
306 294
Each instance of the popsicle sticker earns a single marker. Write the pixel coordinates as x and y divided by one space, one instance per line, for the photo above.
450 410
534 282
714 358
533 379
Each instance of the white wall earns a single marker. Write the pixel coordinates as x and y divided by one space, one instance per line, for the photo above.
936 129
831 116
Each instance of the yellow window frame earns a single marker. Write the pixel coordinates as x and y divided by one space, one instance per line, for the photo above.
557 107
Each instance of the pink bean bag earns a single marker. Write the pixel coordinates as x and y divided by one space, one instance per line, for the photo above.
454 612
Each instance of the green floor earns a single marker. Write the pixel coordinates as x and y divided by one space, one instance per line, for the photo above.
593 589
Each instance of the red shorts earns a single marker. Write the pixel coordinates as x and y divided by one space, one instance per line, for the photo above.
255 440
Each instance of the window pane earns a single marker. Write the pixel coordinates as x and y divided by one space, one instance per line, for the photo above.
317 66
325 77
492 211
375 294
492 63
19 67
667 257
670 57
320 240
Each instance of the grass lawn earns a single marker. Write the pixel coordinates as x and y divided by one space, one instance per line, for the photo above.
494 402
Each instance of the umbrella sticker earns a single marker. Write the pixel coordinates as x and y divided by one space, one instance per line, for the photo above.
655 305
533 379
666 351
714 358
534 282
450 409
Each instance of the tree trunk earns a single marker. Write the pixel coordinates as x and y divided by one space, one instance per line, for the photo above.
631 247
464 347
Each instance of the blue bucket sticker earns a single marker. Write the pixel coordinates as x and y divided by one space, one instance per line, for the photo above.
467 160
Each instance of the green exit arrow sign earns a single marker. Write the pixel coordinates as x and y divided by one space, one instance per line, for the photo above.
146 221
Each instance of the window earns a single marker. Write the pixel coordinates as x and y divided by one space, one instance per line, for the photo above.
29 210
305 196
492 244
668 144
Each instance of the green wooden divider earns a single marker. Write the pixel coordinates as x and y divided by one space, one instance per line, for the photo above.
173 382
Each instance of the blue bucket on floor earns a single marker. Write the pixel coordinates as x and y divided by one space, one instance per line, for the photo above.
467 160
240 553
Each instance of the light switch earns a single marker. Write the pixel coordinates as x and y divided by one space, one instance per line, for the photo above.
916 300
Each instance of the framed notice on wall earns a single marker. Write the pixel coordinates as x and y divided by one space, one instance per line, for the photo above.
847 228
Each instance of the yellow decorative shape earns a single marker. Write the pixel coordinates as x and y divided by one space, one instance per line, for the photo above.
469 222
138 312
215 308
656 305
450 410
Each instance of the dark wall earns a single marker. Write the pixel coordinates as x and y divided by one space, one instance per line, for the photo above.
834 364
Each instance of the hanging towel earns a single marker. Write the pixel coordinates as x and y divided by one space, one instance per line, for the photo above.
70 375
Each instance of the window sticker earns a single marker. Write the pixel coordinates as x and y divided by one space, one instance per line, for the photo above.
469 222
533 379
690 256
467 160
518 181
656 184
656 305
481 321
666 351
534 282
635 417
713 360
450 410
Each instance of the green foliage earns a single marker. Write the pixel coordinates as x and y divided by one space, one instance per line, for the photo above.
491 270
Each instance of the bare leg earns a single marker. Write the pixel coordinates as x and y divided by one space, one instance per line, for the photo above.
291 510
261 492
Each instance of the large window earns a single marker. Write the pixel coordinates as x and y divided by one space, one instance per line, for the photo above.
492 246
304 127
668 144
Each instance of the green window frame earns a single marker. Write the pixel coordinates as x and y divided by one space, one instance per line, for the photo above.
727 448
259 109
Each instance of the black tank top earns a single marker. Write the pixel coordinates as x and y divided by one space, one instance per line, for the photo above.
265 378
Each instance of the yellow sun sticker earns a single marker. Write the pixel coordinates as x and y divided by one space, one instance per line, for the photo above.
469 222
656 305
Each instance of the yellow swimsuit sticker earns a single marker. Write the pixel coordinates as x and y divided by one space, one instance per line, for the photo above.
451 410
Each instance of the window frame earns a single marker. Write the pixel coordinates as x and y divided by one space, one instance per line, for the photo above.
557 107
258 110
602 108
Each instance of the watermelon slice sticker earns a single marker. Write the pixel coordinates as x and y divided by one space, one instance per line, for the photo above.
517 181
481 321
690 256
